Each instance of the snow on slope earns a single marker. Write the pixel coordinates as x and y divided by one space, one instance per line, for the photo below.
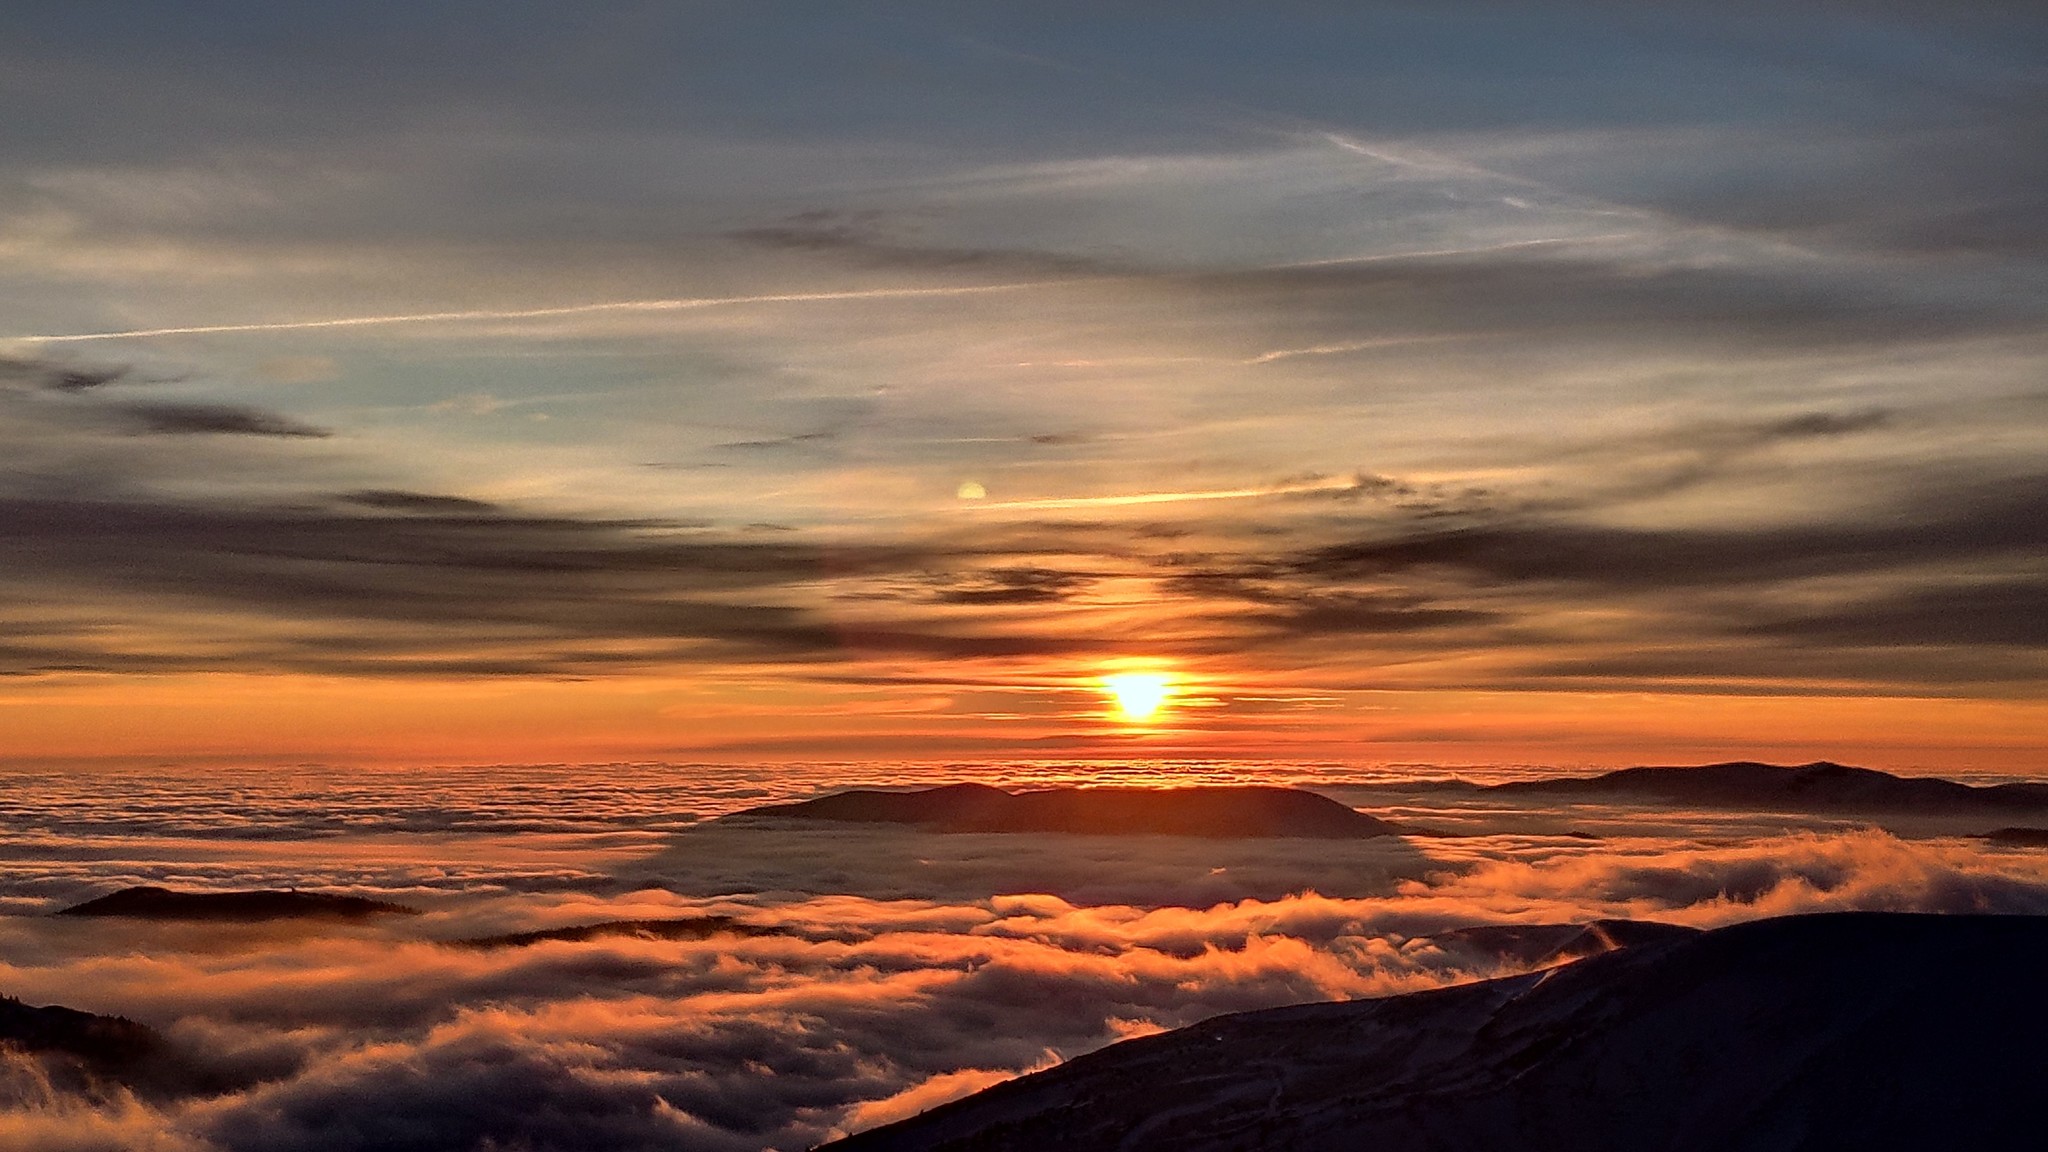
1859 1030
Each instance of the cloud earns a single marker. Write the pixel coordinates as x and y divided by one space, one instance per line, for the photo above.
1016 585
1961 613
431 581
448 566
399 500
1710 299
862 239
298 369
55 376
551 312
1968 189
1959 527
514 593
1628 300
794 441
857 1006
1856 871
51 1123
405 581
299 572
209 419
927 1094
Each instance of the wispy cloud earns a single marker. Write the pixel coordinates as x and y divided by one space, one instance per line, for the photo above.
1475 250
1135 499
228 419
667 305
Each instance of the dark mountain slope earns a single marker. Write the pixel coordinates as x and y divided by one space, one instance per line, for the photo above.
1546 945
109 1042
1850 1031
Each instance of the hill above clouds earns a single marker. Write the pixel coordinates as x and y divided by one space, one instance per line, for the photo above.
148 902
101 1041
1856 1030
1821 785
1219 812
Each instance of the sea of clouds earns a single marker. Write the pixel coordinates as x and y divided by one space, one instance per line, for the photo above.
885 970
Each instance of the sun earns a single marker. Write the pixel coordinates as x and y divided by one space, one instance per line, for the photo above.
1138 694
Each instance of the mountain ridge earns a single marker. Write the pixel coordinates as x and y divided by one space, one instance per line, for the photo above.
1210 811
1822 784
1839 1030
150 902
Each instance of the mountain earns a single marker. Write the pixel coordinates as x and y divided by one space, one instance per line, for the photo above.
1546 945
1233 812
2018 837
109 1042
685 928
151 903
1841 1031
1821 785
93 1057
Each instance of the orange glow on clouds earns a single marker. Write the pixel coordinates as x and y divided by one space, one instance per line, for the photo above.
1203 713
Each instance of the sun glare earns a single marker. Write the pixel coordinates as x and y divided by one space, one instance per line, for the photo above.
1138 694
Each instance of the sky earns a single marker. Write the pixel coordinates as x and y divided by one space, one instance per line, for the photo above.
517 382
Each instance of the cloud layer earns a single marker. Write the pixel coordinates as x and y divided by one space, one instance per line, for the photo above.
365 1040
880 974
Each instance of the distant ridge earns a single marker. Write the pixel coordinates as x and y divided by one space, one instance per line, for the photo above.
1216 812
684 928
2018 837
1849 1030
1820 785
148 902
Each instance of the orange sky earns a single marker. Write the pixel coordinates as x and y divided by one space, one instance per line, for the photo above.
292 718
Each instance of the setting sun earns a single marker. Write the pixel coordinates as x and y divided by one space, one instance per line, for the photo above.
1138 694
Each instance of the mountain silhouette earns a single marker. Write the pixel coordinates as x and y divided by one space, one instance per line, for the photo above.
684 928
1821 785
2018 837
1545 945
109 1042
148 902
1837 1031
1216 812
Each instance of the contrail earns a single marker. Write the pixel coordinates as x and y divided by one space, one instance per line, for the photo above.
1356 346
534 313
1417 159
688 302
1431 253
